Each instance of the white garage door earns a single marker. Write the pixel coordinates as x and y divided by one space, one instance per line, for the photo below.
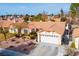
49 39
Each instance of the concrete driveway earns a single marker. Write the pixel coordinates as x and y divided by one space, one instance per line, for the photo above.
44 49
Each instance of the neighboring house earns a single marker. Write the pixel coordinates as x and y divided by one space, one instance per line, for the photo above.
75 36
54 18
49 32
24 28
10 25
15 27
16 22
5 24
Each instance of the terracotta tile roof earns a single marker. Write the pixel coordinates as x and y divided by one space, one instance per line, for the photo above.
75 32
8 23
20 20
21 24
24 25
58 27
5 23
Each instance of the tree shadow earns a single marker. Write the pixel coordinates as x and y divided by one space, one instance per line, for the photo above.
23 48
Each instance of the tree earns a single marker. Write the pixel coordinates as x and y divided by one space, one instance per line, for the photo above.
38 17
63 19
52 14
26 18
33 34
73 8
73 45
62 12
3 30
18 26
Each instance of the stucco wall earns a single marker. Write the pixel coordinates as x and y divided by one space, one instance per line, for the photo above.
77 42
13 30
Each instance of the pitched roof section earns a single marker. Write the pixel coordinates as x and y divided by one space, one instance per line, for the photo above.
58 27
76 32
4 23
21 24
8 23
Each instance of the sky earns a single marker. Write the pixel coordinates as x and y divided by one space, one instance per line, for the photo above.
33 8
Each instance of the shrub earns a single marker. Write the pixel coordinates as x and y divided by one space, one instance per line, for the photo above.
18 35
33 35
63 19
9 35
70 51
73 45
2 37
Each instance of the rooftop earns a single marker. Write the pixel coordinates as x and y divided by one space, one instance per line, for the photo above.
58 27
76 32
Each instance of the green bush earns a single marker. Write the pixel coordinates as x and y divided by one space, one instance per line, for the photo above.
2 37
73 45
33 35
9 35
63 19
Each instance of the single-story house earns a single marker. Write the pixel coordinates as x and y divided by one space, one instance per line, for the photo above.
49 32
5 24
12 26
13 29
16 27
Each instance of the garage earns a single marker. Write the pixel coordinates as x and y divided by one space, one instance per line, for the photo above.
77 42
49 37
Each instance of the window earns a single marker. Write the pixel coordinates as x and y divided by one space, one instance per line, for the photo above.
25 31
14 30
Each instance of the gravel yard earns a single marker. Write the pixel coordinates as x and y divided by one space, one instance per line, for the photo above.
18 44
